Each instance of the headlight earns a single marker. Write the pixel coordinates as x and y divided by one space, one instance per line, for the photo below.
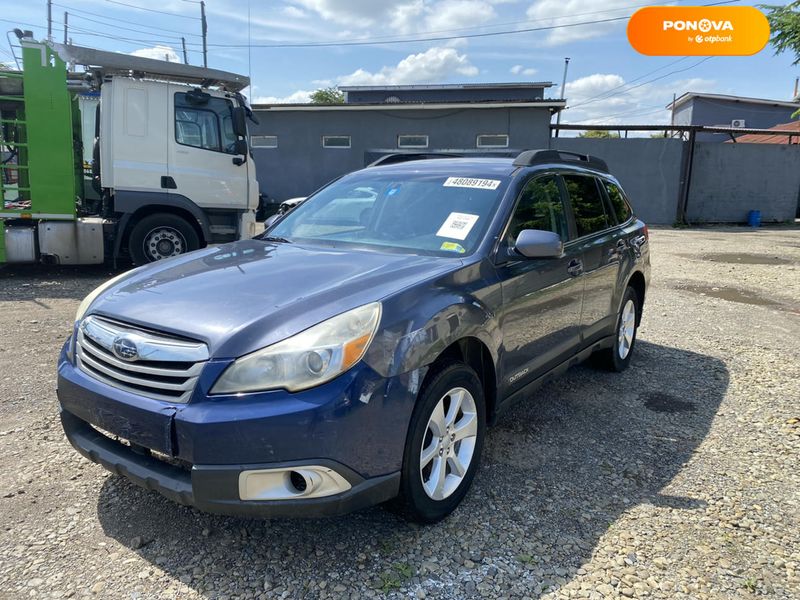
307 359
87 302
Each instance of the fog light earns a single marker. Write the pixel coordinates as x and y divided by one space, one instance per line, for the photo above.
291 483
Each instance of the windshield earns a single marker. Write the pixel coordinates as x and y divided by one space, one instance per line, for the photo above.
420 213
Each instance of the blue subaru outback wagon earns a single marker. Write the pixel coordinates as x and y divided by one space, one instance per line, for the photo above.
356 351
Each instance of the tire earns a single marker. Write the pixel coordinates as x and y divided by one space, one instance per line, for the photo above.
161 235
454 380
618 357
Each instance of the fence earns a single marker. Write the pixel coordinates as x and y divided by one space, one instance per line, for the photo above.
705 182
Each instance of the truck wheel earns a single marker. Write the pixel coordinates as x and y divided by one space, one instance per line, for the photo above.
161 235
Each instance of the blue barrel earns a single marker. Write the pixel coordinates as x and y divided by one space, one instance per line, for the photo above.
754 218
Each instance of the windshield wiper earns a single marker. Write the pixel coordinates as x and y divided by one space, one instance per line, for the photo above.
275 238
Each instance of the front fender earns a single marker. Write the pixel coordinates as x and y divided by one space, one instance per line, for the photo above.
431 319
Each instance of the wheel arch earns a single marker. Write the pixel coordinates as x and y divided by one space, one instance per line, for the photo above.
476 354
639 285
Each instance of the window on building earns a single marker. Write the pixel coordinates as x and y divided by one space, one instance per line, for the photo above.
208 126
335 141
587 204
264 141
412 141
539 207
618 202
499 140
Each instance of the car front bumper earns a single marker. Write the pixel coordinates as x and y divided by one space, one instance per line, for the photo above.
195 453
214 488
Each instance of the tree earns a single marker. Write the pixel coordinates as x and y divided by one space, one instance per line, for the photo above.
784 23
330 95
597 134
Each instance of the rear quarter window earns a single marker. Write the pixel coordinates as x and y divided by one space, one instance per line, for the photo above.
587 204
619 205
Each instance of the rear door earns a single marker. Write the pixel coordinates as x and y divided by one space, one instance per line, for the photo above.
597 246
202 151
542 297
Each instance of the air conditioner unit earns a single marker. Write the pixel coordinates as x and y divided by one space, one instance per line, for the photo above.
738 123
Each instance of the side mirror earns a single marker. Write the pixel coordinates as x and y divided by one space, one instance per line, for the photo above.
534 243
271 221
239 121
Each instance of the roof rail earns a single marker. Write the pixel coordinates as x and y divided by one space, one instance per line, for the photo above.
399 157
537 157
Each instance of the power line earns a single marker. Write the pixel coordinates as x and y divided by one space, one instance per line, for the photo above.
175 37
377 42
413 40
132 41
94 14
698 63
607 93
153 10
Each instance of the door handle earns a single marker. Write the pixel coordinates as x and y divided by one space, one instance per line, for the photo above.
575 267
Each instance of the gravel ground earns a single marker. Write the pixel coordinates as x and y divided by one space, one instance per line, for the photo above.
676 479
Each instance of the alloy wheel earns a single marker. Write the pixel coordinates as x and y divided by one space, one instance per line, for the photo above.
448 445
627 328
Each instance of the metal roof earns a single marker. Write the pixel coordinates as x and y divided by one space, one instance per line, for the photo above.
557 104
107 63
447 86
727 98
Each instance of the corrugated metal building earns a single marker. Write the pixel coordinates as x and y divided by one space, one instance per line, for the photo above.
300 147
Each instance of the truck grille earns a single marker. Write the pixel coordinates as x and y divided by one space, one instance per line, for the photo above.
145 363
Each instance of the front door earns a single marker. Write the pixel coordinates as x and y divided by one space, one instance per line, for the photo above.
598 245
541 296
202 152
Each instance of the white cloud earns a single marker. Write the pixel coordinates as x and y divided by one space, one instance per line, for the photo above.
159 53
606 98
298 97
294 13
433 65
454 14
403 16
522 70
572 11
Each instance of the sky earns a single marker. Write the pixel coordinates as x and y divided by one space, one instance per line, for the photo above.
608 81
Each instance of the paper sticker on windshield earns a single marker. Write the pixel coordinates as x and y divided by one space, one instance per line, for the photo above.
470 182
457 226
452 247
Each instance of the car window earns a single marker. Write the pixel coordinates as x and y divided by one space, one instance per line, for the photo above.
539 207
419 212
618 204
587 204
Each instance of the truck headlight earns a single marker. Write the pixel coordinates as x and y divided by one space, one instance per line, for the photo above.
307 359
87 302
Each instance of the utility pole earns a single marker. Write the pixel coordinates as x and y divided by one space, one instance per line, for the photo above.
185 55
204 26
50 20
563 91
66 26
672 116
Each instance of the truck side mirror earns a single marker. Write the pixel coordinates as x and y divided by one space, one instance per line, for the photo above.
239 123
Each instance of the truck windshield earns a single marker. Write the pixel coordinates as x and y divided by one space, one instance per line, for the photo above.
428 214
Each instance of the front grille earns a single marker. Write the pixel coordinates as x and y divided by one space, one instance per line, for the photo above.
142 362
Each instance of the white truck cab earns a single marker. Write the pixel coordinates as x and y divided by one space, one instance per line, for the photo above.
171 158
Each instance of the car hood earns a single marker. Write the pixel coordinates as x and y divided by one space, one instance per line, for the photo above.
246 295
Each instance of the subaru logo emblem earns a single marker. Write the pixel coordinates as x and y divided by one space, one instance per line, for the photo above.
125 349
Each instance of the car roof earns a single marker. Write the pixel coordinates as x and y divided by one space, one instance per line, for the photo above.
457 167
476 167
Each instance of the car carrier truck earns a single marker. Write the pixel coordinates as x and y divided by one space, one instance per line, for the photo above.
171 170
